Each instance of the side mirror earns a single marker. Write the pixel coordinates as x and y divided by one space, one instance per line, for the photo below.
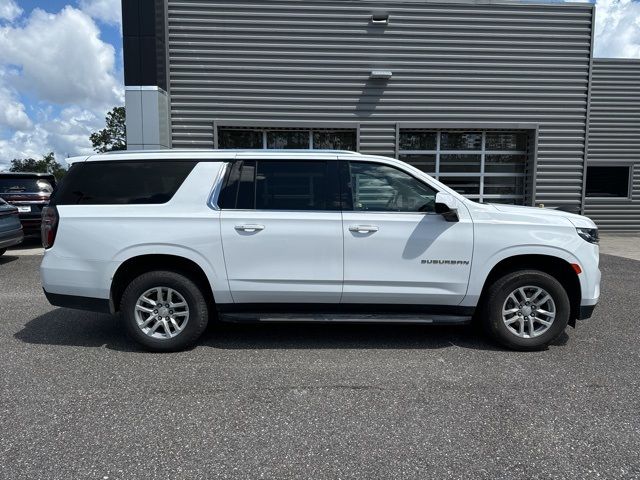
447 206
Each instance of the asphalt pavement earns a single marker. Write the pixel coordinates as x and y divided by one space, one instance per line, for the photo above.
80 400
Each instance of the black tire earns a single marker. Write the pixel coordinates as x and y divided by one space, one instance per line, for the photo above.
192 294
2 251
496 296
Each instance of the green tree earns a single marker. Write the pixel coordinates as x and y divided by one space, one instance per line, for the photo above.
114 136
47 164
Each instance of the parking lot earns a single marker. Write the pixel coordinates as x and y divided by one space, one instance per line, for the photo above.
79 400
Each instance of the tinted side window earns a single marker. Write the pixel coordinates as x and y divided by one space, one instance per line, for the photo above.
291 185
380 188
122 182
239 191
282 185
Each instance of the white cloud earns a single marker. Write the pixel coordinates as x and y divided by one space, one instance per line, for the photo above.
62 59
65 134
12 111
9 10
617 28
107 11
59 62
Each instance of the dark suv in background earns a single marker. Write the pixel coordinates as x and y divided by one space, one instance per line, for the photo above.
29 193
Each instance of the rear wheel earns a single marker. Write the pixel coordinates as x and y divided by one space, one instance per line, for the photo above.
164 311
526 310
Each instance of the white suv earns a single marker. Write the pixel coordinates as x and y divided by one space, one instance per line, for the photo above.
171 239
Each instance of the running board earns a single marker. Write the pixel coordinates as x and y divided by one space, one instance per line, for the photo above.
345 318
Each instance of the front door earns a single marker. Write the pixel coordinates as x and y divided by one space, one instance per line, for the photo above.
397 250
282 232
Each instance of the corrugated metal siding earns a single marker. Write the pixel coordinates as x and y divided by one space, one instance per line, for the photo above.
454 62
614 137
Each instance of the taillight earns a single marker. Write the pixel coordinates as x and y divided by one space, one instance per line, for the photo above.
49 226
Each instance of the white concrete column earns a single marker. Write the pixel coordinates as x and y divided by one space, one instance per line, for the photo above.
148 122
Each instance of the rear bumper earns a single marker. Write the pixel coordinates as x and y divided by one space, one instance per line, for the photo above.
11 238
101 305
30 223
65 275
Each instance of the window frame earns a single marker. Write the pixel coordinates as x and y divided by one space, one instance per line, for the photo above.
347 193
627 198
482 153
265 129
234 171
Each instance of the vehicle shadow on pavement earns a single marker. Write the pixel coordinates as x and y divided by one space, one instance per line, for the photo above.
30 244
66 327
7 258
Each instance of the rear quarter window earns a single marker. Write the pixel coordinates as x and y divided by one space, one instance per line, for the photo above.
122 182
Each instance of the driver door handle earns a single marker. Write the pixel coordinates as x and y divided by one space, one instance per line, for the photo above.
363 228
249 228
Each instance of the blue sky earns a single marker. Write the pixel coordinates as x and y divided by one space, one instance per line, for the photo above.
61 68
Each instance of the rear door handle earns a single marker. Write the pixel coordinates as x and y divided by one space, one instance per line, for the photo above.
249 228
363 228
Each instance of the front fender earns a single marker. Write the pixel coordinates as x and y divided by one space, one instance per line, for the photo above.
482 267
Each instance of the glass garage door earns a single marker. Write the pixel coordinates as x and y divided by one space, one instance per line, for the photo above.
284 139
486 166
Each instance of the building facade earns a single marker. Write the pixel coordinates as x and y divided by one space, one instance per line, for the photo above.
502 100
612 183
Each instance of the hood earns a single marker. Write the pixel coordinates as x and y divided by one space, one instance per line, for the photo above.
578 221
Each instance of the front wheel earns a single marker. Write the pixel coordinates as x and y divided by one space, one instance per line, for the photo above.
164 311
526 310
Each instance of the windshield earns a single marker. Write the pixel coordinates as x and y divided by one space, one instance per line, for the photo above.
25 185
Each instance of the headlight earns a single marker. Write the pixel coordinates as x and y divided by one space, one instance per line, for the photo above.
589 234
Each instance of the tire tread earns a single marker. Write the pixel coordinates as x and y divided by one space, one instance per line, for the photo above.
197 321
492 320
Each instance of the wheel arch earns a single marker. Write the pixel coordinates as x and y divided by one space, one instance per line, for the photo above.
137 265
557 267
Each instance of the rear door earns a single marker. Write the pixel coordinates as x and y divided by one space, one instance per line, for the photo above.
397 250
281 229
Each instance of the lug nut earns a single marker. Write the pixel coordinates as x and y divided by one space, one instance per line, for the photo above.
526 318
171 312
155 311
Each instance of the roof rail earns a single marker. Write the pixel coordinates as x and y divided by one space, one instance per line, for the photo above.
286 150
233 150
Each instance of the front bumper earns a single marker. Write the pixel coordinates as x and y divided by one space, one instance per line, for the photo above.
11 238
586 311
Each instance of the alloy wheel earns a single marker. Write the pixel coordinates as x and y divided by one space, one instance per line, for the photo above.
161 312
528 311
